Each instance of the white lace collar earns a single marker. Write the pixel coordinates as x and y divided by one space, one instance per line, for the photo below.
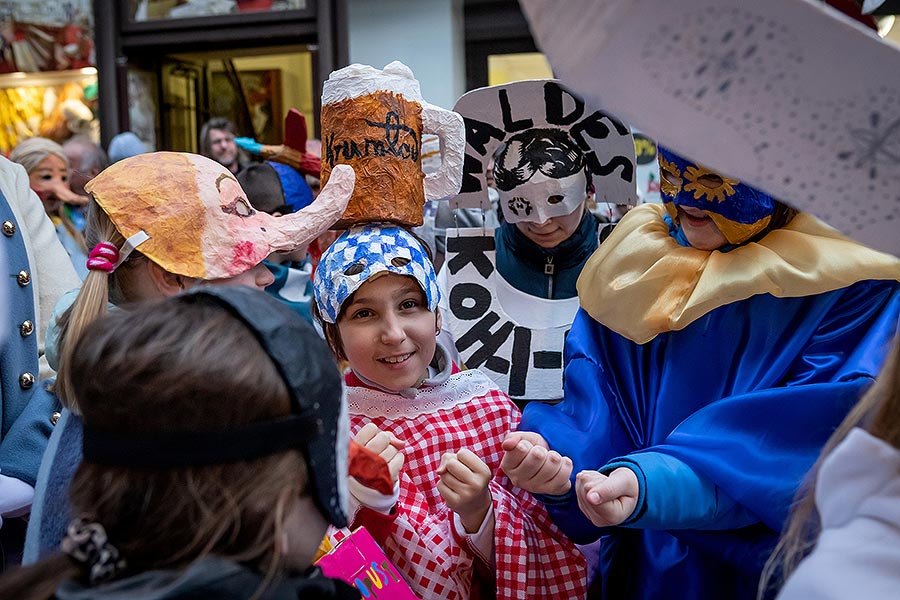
457 389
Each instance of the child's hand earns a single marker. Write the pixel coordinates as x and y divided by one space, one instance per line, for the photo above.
384 444
607 501
530 464
464 487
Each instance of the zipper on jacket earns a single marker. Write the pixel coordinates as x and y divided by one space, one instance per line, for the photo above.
549 270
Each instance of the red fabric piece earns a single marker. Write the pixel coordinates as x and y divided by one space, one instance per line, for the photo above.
295 136
377 524
370 469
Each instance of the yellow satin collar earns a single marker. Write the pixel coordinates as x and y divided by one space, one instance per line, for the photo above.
640 282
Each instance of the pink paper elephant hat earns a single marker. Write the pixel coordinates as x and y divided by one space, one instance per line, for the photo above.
197 219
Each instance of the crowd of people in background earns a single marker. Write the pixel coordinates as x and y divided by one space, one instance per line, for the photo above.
171 431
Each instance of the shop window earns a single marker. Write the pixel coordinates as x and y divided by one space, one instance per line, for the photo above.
271 84
48 83
151 10
504 68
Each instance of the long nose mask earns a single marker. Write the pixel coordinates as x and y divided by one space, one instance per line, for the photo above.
197 218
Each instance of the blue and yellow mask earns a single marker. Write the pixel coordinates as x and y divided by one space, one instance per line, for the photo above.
738 210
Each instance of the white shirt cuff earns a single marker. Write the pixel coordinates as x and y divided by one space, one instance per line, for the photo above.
482 541
15 496
361 495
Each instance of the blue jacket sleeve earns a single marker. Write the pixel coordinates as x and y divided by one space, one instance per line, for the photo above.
584 431
50 511
23 446
758 446
674 496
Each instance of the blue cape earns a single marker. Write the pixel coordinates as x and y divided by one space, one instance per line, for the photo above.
746 396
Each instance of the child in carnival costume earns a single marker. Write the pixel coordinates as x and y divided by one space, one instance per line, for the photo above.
721 339
453 524
279 189
178 496
158 223
546 172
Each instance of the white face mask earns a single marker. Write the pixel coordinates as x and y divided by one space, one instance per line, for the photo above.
543 198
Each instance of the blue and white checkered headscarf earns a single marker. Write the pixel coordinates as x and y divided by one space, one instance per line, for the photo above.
364 251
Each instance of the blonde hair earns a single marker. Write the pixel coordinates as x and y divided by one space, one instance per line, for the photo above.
97 290
879 413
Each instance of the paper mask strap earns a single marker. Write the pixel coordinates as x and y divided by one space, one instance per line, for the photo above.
178 449
130 244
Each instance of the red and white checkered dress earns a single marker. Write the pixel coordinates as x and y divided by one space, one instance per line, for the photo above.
533 558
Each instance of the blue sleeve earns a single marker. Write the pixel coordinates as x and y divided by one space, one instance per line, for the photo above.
564 511
50 511
752 423
23 446
674 496
585 431
759 445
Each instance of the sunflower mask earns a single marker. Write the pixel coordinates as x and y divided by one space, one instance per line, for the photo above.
738 210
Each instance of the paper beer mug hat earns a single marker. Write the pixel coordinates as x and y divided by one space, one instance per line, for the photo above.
547 147
373 120
197 218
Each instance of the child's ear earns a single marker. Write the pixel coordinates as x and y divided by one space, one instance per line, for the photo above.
438 321
332 336
167 283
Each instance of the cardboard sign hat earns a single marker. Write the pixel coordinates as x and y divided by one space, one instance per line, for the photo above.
789 96
561 133
197 218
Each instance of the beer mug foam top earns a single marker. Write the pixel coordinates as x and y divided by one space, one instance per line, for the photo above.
373 120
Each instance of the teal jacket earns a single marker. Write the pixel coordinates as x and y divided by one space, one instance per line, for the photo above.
545 272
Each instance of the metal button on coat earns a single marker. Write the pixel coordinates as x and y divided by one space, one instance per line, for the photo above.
26 328
54 418
9 228
24 278
26 380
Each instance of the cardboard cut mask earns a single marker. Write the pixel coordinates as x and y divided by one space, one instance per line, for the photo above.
198 219
547 148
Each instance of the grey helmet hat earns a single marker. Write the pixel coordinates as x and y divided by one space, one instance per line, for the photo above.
318 424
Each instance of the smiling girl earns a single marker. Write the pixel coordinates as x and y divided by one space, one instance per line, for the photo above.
454 525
